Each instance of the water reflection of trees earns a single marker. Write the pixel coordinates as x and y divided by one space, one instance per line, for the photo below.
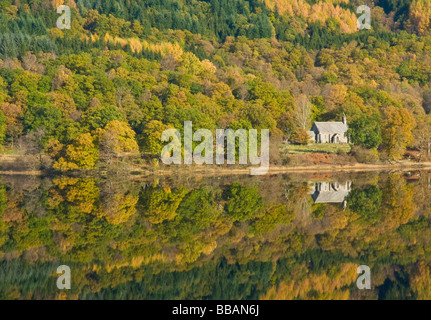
130 235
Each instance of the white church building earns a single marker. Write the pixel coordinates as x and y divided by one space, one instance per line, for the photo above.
329 132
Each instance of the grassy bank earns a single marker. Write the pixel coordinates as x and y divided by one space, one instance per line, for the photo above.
315 148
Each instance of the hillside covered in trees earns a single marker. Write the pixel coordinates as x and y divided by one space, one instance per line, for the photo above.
127 70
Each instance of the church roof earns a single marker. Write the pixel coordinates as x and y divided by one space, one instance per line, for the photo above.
330 197
331 127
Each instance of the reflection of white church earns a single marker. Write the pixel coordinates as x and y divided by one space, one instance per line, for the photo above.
330 192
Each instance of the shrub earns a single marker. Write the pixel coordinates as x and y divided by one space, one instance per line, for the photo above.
363 155
300 137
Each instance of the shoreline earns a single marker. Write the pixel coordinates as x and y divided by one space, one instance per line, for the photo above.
211 170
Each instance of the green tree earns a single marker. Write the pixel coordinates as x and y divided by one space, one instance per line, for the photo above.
365 131
3 121
242 202
152 134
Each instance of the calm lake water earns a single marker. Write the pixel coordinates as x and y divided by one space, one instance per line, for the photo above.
292 236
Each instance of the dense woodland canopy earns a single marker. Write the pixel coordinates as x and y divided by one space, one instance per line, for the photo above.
127 70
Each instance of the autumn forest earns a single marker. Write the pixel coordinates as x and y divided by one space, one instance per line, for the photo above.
82 111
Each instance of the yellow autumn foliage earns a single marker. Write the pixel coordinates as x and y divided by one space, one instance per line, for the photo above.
325 286
420 16
320 11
